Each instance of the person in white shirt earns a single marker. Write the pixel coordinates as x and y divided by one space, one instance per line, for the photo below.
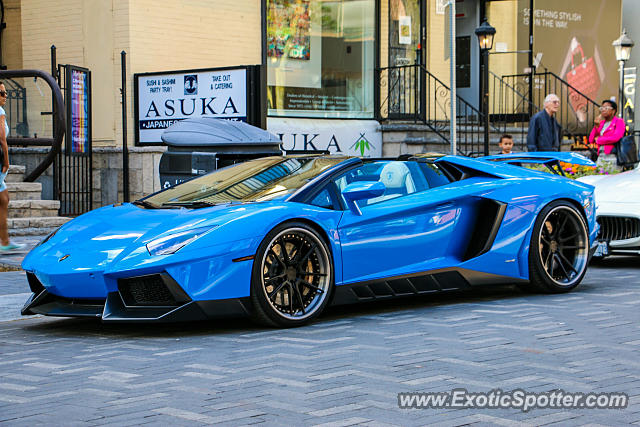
5 245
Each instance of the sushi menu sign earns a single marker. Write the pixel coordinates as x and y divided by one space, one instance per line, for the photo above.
161 99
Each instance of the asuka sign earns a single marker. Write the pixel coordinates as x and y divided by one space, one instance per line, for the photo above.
348 137
164 98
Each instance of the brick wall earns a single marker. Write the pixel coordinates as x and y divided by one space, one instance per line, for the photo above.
157 36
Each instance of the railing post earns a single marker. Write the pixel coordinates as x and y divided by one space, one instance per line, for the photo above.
531 68
423 94
376 94
125 148
452 78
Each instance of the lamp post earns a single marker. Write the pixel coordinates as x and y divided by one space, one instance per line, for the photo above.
485 33
623 47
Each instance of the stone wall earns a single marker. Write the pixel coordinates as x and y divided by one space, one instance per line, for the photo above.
144 176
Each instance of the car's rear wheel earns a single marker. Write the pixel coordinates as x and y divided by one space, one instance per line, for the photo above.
292 276
559 251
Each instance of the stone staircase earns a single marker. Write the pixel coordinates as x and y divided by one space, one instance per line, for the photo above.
28 213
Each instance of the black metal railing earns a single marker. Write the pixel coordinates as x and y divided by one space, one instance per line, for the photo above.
510 110
59 121
411 93
577 111
16 108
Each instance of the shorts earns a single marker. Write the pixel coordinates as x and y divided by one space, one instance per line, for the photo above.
3 185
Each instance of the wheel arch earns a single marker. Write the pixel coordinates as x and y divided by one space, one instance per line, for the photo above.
332 243
316 227
575 204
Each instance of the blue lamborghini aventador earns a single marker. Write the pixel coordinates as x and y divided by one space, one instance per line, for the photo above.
280 238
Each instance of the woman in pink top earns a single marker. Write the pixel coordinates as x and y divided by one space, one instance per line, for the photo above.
607 133
610 130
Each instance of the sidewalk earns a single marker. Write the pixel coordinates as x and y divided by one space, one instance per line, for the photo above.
14 289
12 262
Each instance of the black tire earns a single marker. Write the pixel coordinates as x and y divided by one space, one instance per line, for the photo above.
559 251
292 287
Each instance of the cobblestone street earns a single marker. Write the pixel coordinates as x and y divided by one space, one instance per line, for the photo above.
345 369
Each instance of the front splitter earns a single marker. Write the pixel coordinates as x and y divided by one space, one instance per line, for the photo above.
114 310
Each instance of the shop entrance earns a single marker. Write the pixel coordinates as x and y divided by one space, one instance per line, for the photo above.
405 58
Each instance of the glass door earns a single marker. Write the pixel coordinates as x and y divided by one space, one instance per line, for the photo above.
405 29
405 57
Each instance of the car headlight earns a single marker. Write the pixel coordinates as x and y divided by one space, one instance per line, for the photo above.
172 243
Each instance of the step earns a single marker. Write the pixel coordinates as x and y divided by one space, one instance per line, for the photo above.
36 222
33 208
25 190
16 173
42 231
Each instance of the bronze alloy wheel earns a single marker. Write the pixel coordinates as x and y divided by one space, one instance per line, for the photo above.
295 276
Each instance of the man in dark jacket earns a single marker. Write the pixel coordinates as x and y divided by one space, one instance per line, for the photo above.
544 131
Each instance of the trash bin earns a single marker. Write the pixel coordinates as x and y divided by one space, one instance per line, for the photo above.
200 145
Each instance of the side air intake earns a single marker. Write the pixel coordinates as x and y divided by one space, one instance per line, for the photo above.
489 216
158 290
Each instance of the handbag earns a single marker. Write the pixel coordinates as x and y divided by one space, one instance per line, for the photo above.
583 78
626 151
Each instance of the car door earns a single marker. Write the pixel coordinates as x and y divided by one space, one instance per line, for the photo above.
401 232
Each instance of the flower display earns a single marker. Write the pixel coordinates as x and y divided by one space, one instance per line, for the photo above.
576 171
573 171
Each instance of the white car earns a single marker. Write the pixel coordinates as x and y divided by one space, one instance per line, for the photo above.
618 212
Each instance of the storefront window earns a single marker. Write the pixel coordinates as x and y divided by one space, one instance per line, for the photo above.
320 57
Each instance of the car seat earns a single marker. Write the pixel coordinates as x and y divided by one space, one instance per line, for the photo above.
397 179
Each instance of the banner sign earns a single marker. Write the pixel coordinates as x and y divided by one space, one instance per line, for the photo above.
78 95
574 38
629 106
163 98
348 137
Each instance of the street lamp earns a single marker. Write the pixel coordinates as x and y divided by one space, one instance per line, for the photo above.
623 47
485 33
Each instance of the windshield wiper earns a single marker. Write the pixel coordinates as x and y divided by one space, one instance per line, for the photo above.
196 204
144 204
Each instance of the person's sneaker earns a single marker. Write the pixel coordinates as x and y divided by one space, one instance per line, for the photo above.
11 248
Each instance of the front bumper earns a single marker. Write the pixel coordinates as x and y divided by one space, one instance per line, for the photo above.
129 304
593 248
621 231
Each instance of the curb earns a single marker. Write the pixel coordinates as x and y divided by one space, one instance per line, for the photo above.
9 267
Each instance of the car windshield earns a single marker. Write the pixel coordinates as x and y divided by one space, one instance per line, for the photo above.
256 180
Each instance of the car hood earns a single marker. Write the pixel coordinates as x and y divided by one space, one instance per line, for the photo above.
110 233
619 188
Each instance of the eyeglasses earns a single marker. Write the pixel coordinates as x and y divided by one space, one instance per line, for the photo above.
3 93
555 102
605 107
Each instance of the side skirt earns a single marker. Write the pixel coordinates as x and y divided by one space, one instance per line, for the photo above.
435 281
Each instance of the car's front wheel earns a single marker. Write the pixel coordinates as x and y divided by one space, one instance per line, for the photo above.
559 251
292 276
